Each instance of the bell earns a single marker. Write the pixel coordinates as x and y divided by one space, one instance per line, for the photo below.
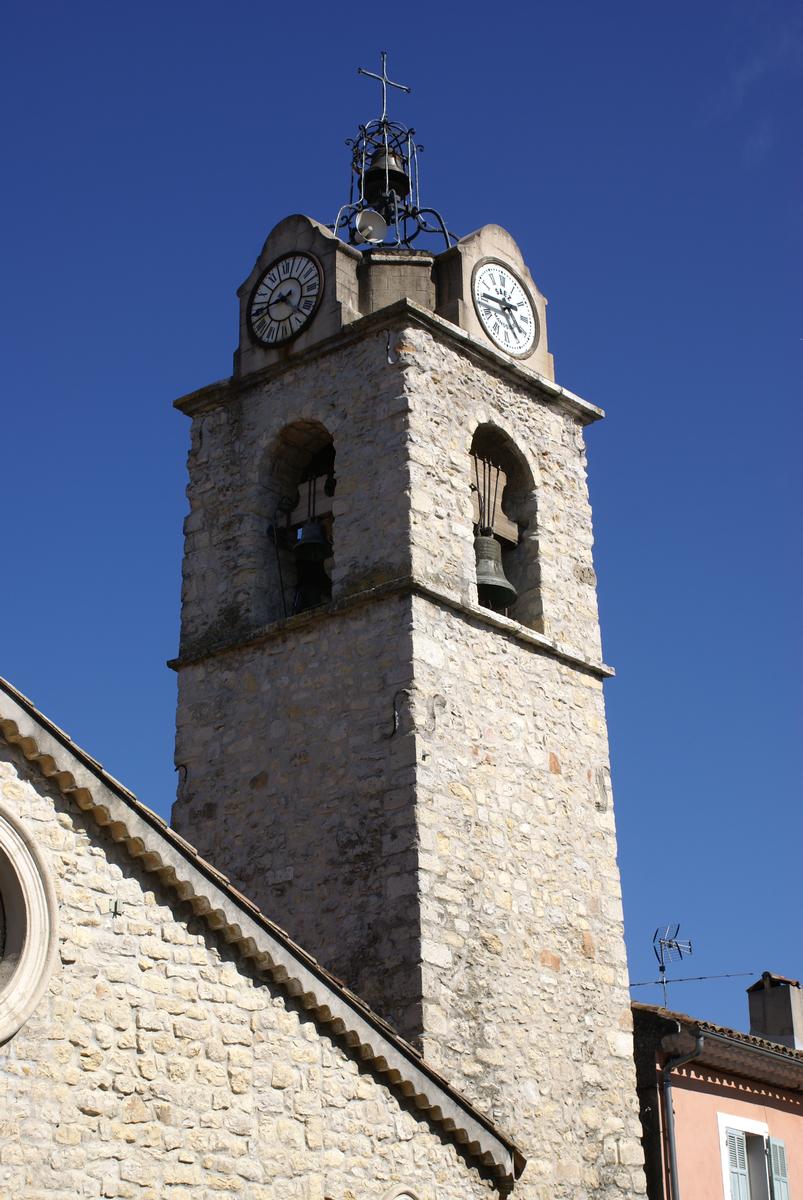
386 173
313 587
493 588
311 544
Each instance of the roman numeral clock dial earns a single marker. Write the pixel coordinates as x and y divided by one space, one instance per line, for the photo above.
505 310
285 299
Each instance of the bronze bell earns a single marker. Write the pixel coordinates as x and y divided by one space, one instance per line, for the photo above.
386 173
311 544
493 588
310 550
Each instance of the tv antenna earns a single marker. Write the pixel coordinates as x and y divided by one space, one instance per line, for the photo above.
668 949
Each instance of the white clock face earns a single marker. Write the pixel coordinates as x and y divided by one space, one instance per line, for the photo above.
504 308
285 299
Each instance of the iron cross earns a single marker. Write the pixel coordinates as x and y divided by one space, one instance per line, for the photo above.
383 79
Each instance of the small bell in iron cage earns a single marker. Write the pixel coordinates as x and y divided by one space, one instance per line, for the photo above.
386 173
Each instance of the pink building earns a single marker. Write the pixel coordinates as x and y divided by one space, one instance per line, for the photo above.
722 1111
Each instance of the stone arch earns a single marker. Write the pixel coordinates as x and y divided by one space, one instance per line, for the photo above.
516 523
29 924
297 482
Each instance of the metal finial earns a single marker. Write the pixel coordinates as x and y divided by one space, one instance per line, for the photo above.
384 204
385 81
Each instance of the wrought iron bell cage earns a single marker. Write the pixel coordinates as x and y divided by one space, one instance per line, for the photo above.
384 206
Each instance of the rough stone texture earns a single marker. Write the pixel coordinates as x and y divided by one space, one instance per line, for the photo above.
358 397
157 1068
306 803
520 908
461 873
450 395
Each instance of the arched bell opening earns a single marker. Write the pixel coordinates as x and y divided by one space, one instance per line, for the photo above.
298 485
505 527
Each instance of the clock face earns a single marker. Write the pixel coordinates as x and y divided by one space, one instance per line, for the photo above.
504 308
285 299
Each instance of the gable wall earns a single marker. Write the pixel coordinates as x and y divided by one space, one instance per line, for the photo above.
154 1066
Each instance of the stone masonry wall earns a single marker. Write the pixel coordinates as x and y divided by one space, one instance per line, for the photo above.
450 395
289 780
357 395
298 767
156 1068
522 935
521 918
483 828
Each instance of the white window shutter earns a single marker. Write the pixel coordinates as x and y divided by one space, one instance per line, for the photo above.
737 1164
778 1171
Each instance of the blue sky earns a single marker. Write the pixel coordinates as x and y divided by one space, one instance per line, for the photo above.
647 159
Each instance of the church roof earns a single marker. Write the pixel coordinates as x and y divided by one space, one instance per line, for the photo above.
161 851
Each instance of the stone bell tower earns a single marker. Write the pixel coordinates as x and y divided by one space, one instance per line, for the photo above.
403 764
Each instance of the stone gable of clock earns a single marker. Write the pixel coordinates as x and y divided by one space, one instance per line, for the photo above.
355 284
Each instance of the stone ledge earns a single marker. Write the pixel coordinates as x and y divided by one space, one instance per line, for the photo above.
403 586
391 318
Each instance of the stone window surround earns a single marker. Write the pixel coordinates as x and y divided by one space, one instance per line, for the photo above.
31 923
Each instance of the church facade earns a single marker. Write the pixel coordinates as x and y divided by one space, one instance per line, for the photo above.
167 1040
391 747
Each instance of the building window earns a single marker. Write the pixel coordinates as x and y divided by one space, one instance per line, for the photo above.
29 924
754 1165
297 487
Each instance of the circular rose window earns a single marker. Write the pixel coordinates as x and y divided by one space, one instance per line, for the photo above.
28 915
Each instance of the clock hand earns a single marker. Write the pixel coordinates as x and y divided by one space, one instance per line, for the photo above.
507 308
295 308
507 305
512 322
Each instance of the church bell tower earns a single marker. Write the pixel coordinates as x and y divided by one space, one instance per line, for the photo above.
391 730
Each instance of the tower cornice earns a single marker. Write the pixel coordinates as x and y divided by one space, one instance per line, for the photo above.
539 643
392 319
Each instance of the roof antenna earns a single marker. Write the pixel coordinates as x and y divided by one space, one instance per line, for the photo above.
668 949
